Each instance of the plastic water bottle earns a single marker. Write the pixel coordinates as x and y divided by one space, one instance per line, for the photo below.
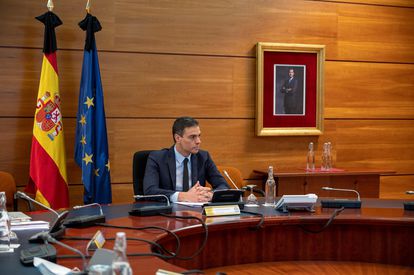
329 163
4 224
310 160
324 166
120 265
270 189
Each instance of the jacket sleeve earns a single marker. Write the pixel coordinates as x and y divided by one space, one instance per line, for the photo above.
152 178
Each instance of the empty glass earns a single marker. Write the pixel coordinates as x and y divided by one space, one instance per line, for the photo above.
252 199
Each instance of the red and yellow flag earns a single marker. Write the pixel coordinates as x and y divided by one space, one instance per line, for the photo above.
48 179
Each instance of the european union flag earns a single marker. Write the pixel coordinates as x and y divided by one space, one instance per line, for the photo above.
91 145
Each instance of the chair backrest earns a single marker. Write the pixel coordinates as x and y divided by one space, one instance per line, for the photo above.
8 185
234 174
139 163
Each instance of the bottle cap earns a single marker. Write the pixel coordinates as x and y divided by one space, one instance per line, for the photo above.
120 234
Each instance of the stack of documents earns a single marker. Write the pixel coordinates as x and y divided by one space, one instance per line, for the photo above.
20 221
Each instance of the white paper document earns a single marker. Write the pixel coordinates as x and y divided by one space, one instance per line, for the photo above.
19 216
29 225
48 268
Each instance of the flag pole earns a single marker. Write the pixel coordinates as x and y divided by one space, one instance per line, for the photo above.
50 5
88 6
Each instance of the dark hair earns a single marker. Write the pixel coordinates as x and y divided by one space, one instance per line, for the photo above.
181 123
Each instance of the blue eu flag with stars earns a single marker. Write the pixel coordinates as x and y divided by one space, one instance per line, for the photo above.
91 145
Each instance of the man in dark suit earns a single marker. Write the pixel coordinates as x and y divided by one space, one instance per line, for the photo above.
181 171
290 88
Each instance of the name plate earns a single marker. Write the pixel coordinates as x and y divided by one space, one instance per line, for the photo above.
221 210
97 241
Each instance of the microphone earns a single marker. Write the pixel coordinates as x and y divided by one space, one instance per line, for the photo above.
338 203
244 188
409 205
232 182
48 238
85 220
22 195
56 228
150 210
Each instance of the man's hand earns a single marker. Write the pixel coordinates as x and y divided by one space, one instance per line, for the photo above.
197 193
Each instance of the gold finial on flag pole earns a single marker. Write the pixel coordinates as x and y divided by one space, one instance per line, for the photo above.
50 5
88 6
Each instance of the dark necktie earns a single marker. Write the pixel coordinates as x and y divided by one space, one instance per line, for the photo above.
185 176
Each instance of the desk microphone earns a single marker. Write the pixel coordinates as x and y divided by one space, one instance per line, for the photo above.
232 182
22 195
339 203
410 204
48 238
85 220
56 229
150 210
244 188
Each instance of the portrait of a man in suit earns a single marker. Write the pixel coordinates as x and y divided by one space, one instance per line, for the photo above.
289 92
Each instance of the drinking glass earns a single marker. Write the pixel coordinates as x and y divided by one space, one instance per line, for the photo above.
252 199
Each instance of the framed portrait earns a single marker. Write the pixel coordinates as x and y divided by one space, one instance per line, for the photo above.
289 99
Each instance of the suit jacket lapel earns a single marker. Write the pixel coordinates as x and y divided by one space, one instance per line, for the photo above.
194 170
171 166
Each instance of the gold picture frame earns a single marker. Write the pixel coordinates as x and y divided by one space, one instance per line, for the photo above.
283 109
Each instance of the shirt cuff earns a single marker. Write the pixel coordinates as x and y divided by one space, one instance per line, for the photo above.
174 197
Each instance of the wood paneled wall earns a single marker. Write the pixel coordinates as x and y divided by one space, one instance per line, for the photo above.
163 59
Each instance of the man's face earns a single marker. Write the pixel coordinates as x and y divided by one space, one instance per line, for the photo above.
291 73
189 142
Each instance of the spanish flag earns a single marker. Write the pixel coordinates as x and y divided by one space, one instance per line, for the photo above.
48 179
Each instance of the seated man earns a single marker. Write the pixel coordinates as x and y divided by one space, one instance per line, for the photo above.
181 171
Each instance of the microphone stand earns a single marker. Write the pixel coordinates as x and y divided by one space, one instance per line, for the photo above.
228 176
56 229
244 188
22 195
339 203
150 210
47 238
86 220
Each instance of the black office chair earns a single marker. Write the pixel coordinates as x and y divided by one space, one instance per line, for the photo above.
139 163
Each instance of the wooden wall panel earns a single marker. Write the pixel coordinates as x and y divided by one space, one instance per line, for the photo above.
147 85
369 90
230 28
20 77
373 33
385 144
392 3
136 85
370 144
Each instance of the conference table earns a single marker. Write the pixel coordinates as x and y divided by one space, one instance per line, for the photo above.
381 232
